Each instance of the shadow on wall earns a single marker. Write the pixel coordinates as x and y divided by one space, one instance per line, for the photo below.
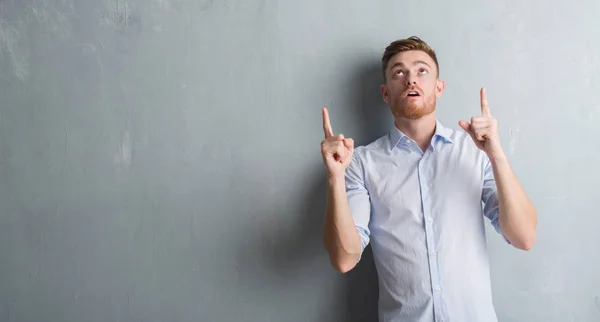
373 119
373 116
291 250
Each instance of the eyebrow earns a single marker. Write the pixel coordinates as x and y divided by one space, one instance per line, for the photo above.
416 62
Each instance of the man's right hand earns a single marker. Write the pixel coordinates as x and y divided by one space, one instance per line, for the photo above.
336 150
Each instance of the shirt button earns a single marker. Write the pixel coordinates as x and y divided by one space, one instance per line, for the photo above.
433 253
437 288
430 220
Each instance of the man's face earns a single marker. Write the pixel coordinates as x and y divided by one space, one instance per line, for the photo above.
412 86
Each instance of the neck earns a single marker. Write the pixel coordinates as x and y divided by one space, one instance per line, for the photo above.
420 130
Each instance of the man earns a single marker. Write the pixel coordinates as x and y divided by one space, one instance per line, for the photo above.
419 196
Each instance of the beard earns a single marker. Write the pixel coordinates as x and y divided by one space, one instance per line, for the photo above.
413 109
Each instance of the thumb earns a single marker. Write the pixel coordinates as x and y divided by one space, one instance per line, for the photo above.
465 126
349 144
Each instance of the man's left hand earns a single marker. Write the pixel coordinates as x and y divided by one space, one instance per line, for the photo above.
484 130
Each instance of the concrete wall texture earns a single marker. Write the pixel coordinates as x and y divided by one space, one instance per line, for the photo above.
160 159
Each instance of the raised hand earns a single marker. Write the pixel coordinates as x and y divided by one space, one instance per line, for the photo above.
336 150
484 129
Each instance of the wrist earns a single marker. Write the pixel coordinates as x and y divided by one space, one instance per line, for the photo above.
498 158
497 155
339 180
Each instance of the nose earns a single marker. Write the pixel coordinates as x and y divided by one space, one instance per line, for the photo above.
410 79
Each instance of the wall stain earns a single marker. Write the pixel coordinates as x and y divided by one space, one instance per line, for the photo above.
118 14
19 18
514 140
181 6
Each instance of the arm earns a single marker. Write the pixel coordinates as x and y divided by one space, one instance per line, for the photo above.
347 218
506 204
342 239
340 236
517 215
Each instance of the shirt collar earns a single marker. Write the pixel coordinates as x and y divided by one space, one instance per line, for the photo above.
441 132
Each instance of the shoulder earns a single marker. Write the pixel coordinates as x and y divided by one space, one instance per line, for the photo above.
460 137
364 155
379 145
464 147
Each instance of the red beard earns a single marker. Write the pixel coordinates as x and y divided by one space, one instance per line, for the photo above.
413 108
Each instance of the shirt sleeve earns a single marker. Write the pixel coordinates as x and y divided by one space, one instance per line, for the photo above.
358 199
489 197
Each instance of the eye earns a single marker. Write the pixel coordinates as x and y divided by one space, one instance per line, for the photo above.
399 72
423 71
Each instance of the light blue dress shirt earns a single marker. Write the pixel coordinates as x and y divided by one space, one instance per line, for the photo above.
423 214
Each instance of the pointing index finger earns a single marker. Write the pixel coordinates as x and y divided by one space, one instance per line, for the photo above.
485 109
327 124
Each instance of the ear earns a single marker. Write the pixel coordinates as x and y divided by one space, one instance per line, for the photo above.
385 94
439 88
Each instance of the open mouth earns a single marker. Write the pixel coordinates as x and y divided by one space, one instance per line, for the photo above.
413 94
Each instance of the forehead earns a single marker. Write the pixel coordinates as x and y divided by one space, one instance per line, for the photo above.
410 58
